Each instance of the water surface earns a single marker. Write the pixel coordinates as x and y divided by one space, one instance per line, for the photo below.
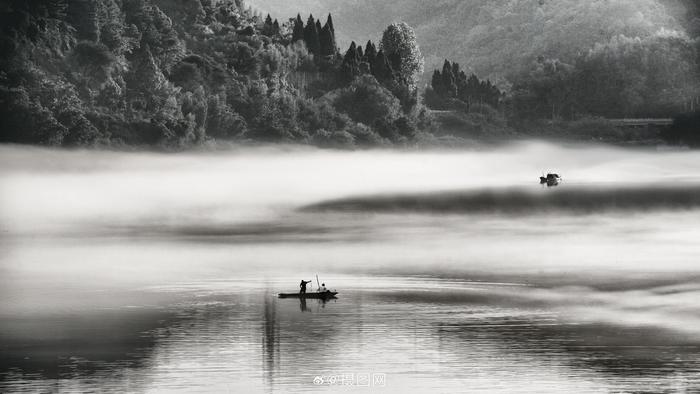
457 271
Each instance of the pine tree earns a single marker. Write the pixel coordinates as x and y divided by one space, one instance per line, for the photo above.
311 38
448 80
328 47
329 22
327 39
267 26
351 62
473 88
436 83
275 27
370 52
462 92
298 32
453 82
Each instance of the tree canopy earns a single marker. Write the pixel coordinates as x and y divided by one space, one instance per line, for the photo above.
399 41
174 74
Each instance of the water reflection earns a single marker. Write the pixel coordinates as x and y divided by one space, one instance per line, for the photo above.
63 351
237 337
270 340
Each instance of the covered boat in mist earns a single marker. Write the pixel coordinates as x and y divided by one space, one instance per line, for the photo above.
317 295
551 179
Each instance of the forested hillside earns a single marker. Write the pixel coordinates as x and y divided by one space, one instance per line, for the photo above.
553 59
179 73
497 38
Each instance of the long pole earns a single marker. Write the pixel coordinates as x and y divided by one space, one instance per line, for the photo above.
318 283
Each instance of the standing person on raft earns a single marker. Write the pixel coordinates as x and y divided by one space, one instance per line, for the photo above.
302 286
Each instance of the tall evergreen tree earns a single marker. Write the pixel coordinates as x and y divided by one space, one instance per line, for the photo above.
436 83
328 47
473 87
351 62
267 26
452 82
329 22
462 86
448 80
370 52
311 38
298 32
370 57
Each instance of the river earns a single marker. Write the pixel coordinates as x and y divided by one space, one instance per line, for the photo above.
456 270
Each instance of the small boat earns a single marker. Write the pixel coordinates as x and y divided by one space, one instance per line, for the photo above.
551 179
318 295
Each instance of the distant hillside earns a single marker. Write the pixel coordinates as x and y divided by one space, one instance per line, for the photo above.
495 38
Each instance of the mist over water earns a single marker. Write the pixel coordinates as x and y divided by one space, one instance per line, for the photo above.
44 189
174 246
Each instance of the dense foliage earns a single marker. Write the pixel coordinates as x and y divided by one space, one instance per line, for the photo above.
495 38
399 42
621 78
558 59
656 77
452 84
178 73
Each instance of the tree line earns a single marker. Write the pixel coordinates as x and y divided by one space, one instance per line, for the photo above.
652 77
622 78
453 83
177 74
319 40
